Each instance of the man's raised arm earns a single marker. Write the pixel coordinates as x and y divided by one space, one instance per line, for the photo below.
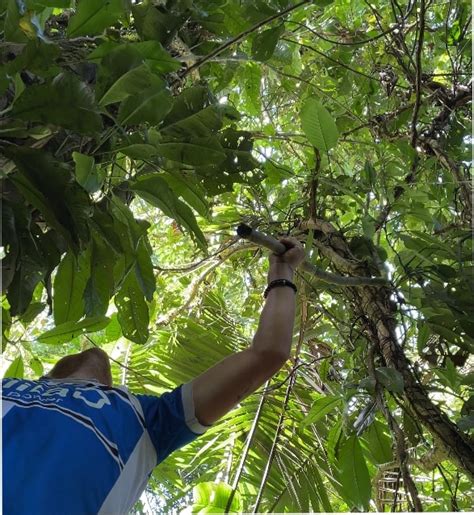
220 388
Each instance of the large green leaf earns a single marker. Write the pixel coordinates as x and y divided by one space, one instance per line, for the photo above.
66 102
46 184
34 309
150 106
16 369
156 56
186 185
318 125
379 443
392 379
31 256
67 331
354 476
93 17
144 269
156 191
132 82
158 59
87 174
69 284
196 151
132 310
264 43
321 407
189 102
199 124
156 24
100 285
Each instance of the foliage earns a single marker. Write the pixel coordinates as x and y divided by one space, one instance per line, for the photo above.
135 137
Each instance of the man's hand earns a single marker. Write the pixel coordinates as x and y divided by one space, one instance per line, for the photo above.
293 256
282 266
219 389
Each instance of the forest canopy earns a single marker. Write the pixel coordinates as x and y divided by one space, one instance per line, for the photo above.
135 136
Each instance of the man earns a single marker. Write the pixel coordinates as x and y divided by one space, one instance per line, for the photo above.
74 444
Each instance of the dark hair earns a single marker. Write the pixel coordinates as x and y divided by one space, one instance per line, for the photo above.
96 360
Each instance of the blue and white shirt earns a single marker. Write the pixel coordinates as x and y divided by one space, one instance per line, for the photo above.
74 446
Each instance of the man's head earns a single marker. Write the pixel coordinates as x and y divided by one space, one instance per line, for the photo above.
89 364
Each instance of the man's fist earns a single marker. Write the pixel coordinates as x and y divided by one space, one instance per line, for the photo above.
293 256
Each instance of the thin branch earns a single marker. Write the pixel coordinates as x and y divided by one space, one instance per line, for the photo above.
363 42
318 89
419 48
194 286
194 266
329 58
279 428
241 36
245 452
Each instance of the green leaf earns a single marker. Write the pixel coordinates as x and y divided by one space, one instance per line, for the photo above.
66 102
64 333
189 102
16 369
368 383
38 56
139 151
320 408
86 172
332 441
186 185
31 256
390 378
144 268
37 5
212 497
34 309
153 23
93 17
133 82
156 191
449 375
264 44
36 366
151 106
156 56
132 311
354 475
38 200
69 284
318 125
113 331
322 490
199 124
197 151
46 184
379 443
100 285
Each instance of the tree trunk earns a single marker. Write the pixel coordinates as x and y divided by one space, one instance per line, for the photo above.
373 305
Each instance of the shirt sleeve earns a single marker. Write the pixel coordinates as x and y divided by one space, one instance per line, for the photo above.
171 420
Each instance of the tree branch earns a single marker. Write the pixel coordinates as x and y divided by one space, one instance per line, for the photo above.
244 231
240 37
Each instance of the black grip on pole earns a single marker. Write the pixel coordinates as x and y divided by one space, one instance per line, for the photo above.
244 231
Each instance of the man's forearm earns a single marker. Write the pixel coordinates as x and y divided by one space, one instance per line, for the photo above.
275 328
221 387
